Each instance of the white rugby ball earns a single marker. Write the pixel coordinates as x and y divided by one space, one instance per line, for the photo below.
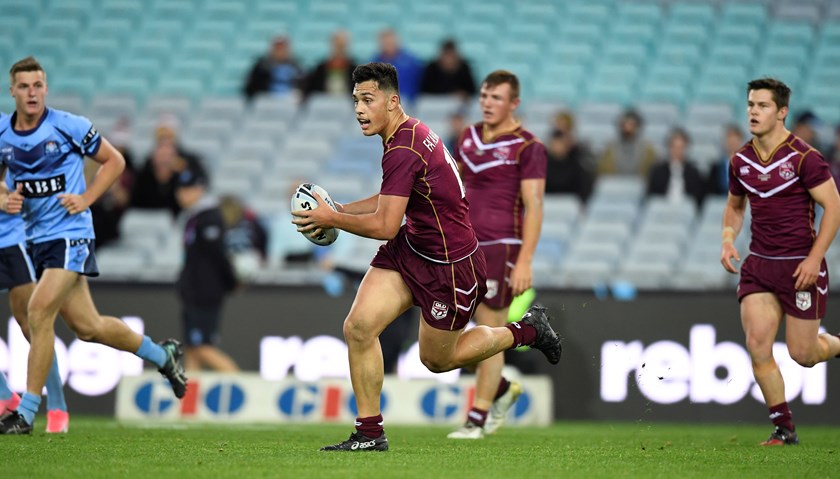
303 199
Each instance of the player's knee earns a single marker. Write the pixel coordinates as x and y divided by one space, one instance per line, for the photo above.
356 331
804 358
435 365
87 334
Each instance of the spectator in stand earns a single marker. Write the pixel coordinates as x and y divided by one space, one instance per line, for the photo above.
334 75
568 169
155 185
630 153
276 73
832 155
676 177
457 123
108 210
805 127
409 67
448 74
733 140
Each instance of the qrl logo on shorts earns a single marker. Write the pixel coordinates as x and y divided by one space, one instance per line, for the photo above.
439 310
803 300
492 288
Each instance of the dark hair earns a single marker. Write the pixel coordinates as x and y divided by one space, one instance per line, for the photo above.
499 77
734 128
631 114
679 132
384 74
781 92
28 64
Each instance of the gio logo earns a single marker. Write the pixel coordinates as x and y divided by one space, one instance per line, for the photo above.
225 398
154 398
441 402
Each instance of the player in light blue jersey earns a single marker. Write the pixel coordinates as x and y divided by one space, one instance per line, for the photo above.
43 151
17 276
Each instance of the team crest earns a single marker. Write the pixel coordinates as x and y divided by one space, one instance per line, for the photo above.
501 153
745 170
786 170
439 310
7 154
803 300
492 289
50 148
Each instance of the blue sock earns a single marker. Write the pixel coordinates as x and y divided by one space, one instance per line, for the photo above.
152 352
29 407
5 392
55 390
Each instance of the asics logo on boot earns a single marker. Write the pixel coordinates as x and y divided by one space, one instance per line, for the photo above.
362 445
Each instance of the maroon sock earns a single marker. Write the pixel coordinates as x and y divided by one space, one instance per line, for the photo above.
370 426
504 385
477 416
523 333
781 416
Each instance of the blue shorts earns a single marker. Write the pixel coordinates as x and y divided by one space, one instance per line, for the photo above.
16 267
70 254
201 325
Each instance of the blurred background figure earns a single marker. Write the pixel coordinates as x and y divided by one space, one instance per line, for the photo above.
630 153
569 161
154 187
108 210
805 126
448 74
457 123
334 75
675 176
409 67
246 239
832 156
276 73
733 140
207 275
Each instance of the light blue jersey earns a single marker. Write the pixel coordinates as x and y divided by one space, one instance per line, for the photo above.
11 226
49 160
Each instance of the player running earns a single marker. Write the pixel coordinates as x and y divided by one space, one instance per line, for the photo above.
43 152
785 275
503 167
433 261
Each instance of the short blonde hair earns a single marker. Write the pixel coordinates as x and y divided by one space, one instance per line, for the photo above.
28 64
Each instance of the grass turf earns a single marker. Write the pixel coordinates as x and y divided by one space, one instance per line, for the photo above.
98 447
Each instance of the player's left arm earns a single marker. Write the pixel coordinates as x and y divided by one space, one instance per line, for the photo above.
112 164
382 224
533 193
826 196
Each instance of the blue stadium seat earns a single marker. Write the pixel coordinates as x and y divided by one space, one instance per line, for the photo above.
686 13
680 53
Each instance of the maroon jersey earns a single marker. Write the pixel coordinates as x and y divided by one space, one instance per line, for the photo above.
782 209
417 165
492 173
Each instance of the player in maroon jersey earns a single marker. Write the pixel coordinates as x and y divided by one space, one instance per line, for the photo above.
503 167
432 261
785 276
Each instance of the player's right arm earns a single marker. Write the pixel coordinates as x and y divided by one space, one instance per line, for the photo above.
733 220
382 224
11 202
361 207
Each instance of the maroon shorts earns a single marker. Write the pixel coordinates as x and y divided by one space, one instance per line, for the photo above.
501 259
759 275
447 293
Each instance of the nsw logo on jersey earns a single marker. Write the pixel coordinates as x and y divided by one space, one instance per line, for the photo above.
42 187
51 148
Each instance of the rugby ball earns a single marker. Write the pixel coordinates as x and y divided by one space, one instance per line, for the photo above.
303 199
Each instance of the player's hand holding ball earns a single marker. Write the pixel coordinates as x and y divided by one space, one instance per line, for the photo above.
313 222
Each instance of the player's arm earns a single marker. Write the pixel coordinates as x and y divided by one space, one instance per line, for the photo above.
733 221
533 193
382 224
826 196
365 206
111 167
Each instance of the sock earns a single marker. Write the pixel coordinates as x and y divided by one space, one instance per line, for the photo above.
55 390
370 426
28 407
477 416
504 385
781 416
5 392
152 352
523 334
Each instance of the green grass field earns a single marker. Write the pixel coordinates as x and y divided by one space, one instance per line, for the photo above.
98 447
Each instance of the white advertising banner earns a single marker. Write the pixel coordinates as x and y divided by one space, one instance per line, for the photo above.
248 398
